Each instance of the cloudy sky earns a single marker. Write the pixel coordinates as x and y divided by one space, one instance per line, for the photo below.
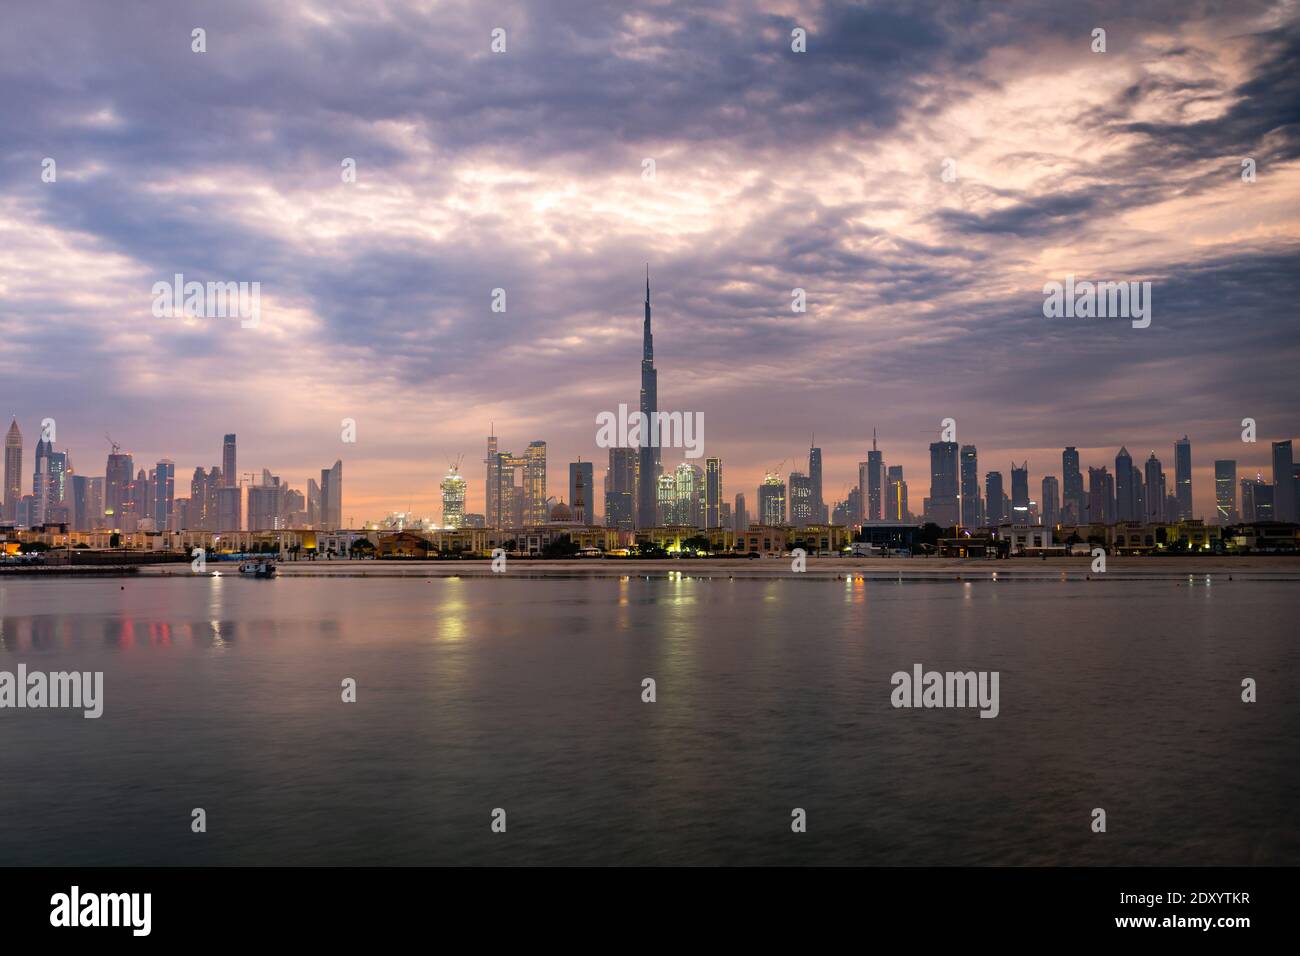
523 170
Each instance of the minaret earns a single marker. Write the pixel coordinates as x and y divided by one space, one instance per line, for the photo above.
648 454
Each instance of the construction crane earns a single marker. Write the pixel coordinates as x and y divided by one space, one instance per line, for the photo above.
455 466
777 469
115 446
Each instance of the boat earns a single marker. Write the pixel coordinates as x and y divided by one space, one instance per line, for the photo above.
258 569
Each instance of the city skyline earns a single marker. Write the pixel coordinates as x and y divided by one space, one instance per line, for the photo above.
930 196
680 496
954 470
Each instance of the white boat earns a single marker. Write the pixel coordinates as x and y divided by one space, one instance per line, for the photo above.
258 569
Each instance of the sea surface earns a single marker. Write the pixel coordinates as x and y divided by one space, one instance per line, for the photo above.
525 694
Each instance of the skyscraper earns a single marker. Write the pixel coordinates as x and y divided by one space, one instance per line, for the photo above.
55 489
815 476
13 470
230 508
1256 499
801 499
1125 498
1139 494
875 481
771 501
142 499
620 493
993 497
582 492
1225 491
1154 490
492 489
713 503
266 503
453 498
647 506
117 488
853 507
1295 488
202 510
896 495
1051 501
740 514
164 492
689 494
1072 499
864 495
43 450
535 510
970 487
1101 486
331 499
212 502
1183 478
229 476
194 517
1019 494
1284 501
666 499
86 498
42 483
944 486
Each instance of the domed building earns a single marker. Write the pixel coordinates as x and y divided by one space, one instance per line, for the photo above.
561 514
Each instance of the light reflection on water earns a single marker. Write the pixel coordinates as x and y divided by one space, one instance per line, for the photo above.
772 693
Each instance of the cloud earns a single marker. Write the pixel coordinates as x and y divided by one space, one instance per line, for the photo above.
523 171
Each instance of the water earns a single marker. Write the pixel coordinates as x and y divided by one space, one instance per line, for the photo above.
525 694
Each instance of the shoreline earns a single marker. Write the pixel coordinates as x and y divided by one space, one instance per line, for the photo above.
1257 567
1079 568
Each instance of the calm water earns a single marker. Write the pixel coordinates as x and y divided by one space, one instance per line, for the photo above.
525 694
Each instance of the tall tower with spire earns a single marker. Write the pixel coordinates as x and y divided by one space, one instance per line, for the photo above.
13 470
648 454
874 502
